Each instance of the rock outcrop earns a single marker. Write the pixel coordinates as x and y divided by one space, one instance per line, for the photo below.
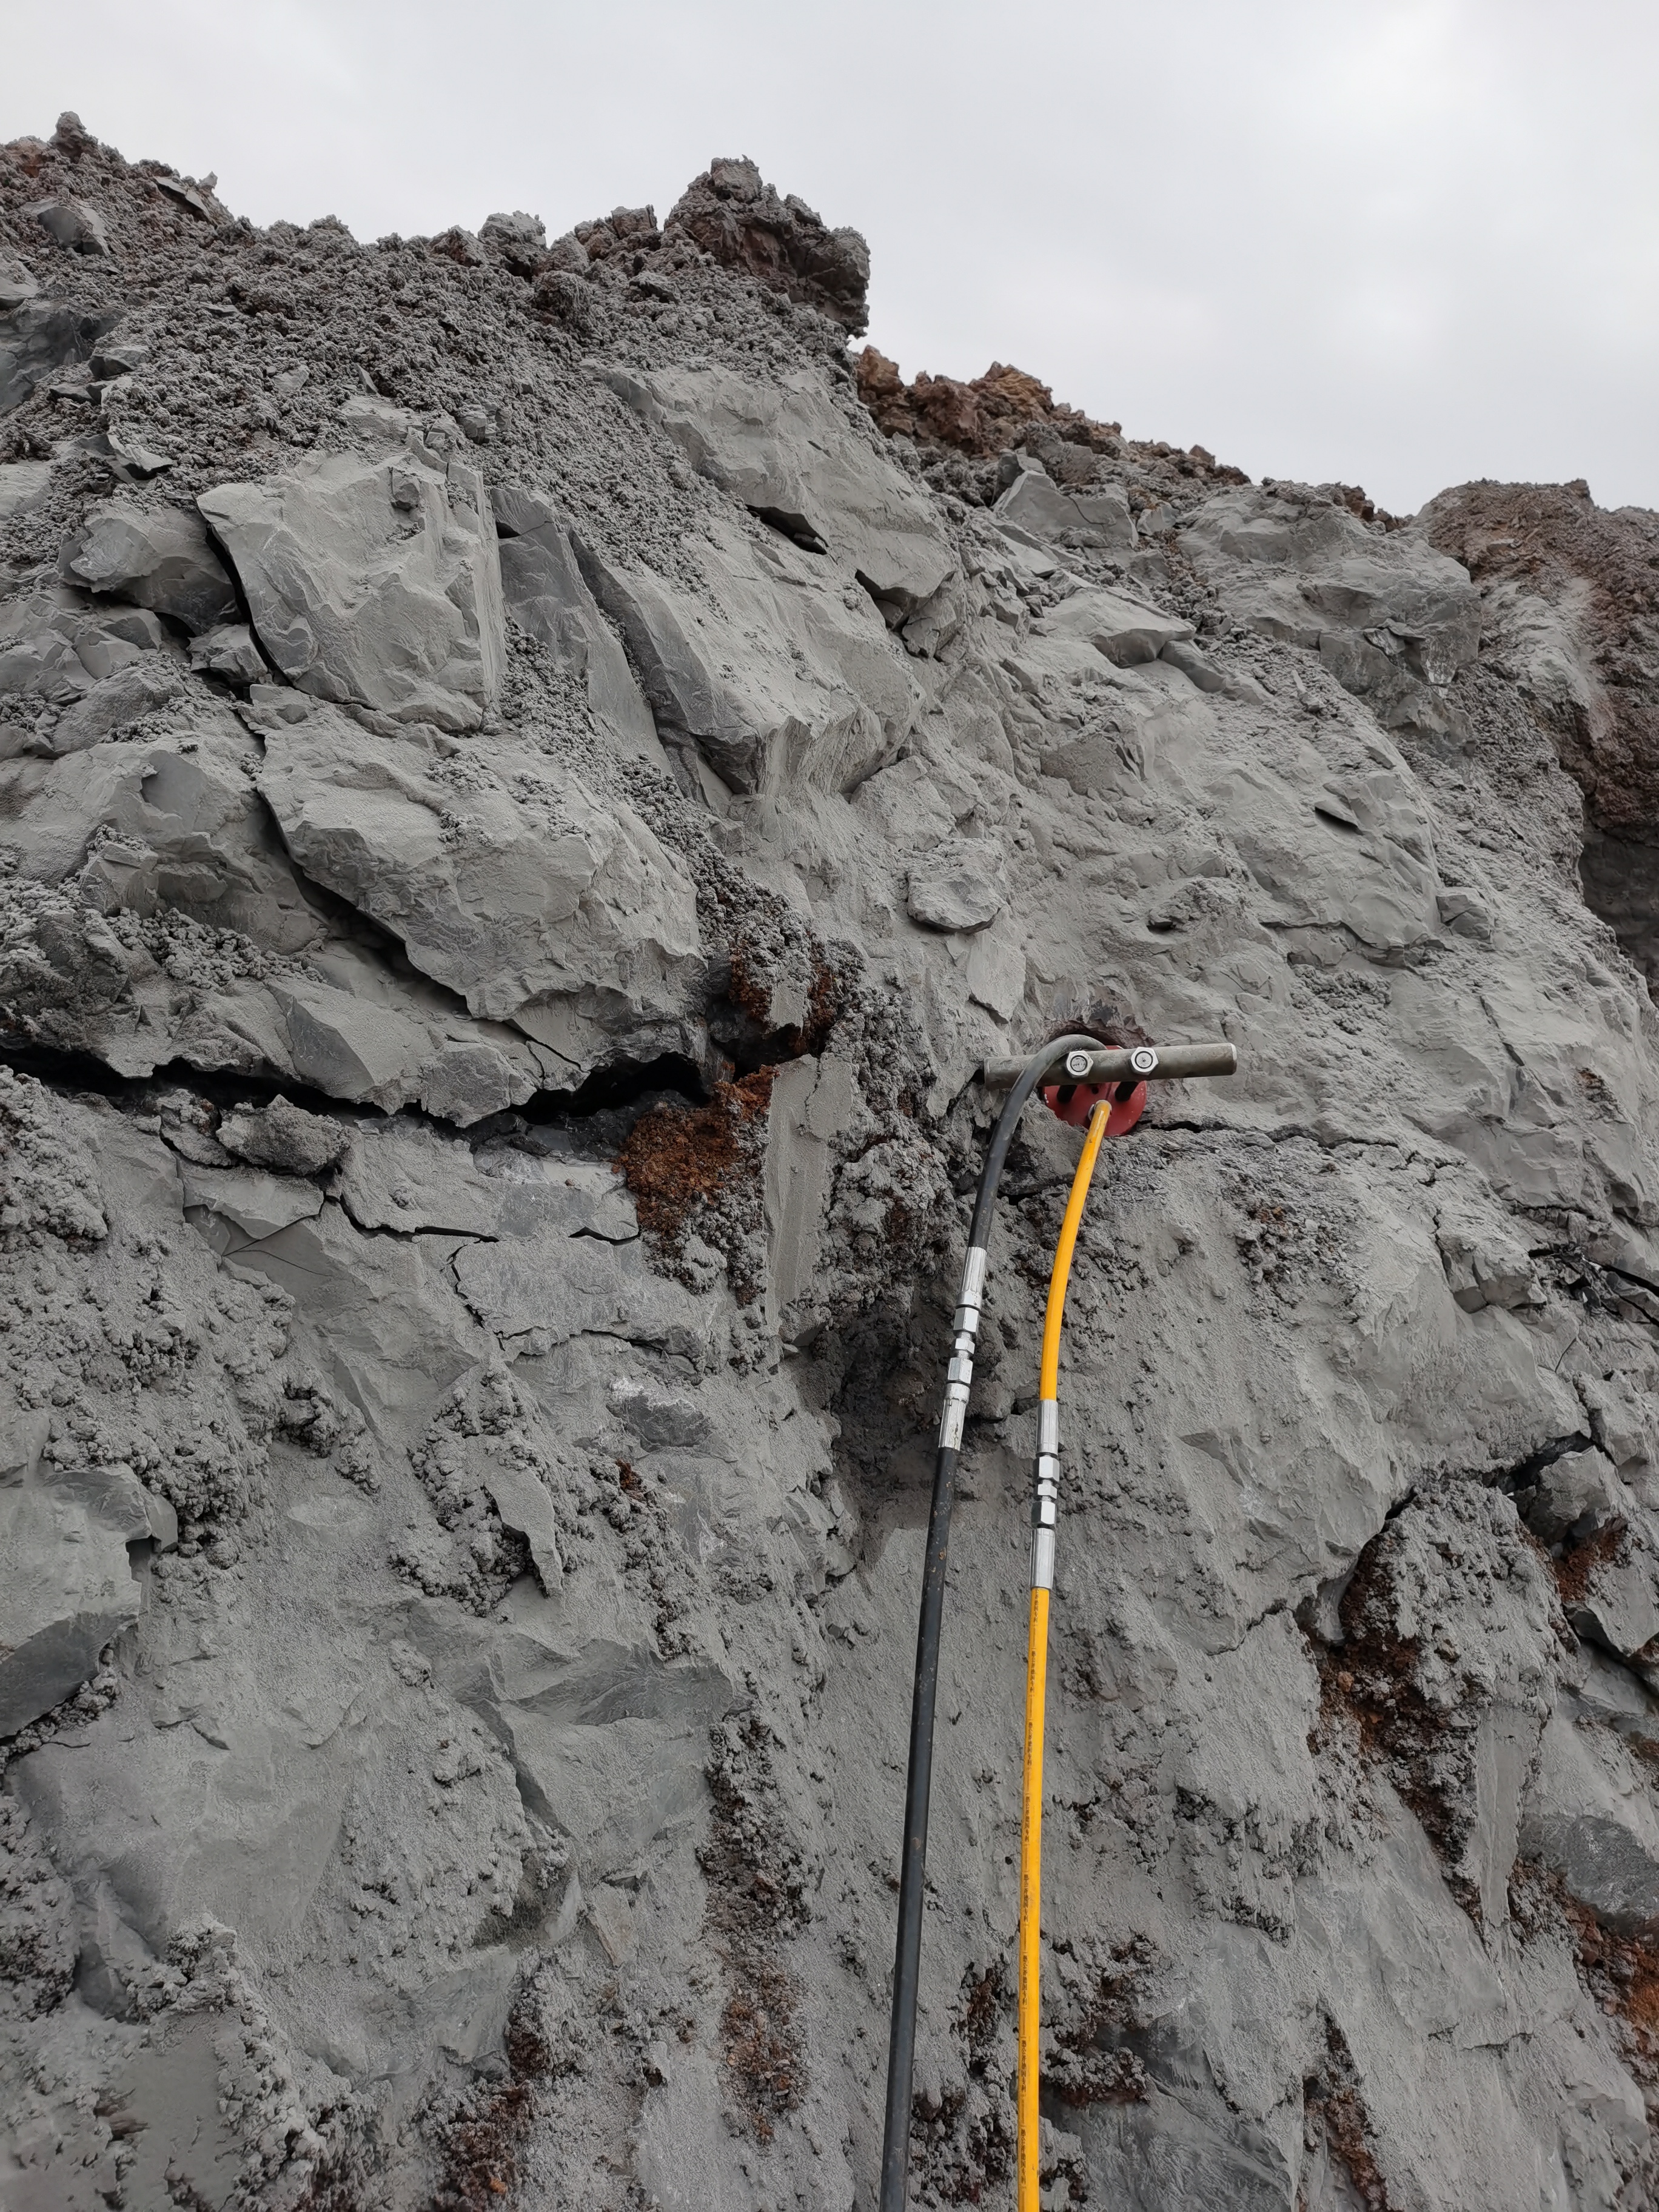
530 780
734 215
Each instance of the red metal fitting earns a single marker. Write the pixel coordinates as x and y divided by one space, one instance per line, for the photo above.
1075 1102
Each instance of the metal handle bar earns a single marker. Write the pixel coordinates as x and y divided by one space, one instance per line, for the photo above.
1141 1063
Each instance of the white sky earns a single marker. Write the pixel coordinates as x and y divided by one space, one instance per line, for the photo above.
1398 242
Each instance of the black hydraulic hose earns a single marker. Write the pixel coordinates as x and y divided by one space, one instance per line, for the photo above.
913 1864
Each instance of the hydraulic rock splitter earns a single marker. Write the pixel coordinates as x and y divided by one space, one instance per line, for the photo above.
1103 1088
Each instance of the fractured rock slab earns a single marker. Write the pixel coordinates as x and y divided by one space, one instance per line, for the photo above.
158 558
372 581
516 897
1100 514
781 674
544 592
69 1588
788 454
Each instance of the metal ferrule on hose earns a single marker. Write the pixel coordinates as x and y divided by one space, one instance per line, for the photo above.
959 1376
1045 1498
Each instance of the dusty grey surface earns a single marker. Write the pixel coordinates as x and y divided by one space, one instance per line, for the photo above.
520 812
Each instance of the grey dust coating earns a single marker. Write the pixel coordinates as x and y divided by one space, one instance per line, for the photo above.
476 709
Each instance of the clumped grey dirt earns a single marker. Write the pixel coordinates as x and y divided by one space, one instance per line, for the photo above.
531 777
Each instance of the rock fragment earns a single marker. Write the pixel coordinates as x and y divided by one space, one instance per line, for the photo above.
530 901
229 650
285 1137
959 886
72 223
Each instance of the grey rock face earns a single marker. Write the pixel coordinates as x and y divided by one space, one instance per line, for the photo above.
374 583
481 1193
1392 619
414 1179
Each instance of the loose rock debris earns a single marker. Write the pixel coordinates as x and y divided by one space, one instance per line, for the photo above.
529 777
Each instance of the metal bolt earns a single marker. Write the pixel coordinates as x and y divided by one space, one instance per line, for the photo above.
1077 1063
1143 1060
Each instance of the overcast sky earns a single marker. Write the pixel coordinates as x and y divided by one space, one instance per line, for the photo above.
1397 242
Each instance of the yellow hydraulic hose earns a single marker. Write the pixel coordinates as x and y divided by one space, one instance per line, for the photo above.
1036 1665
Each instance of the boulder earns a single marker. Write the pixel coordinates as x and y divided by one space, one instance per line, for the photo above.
1486 1265
183 830
21 482
16 284
1126 632
1588 1815
785 451
959 885
1574 1498
1620 1421
515 229
515 893
373 582
157 557
1193 665
542 585
1100 515
1465 913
